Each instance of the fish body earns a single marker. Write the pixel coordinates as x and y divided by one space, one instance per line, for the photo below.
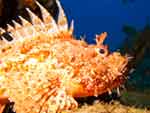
43 68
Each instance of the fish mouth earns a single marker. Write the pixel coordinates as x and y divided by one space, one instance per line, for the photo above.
117 71
117 65
122 68
125 64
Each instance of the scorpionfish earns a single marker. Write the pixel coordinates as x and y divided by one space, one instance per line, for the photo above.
44 68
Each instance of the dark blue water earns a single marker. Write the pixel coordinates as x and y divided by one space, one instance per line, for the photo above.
95 16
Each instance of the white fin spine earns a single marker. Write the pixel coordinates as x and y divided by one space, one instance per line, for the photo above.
71 29
118 91
49 22
82 38
62 20
11 35
36 21
18 29
47 18
15 34
2 42
2 31
16 24
24 22
34 18
109 91
5 41
27 27
10 28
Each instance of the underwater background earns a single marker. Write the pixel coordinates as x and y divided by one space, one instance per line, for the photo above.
96 16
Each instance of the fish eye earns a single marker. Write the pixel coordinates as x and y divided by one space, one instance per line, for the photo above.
101 51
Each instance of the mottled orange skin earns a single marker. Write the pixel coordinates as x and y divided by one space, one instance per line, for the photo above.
93 73
95 66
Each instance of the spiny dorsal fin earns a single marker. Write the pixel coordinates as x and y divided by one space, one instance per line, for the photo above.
10 28
14 31
48 26
47 18
27 28
24 22
34 18
62 20
71 29
5 42
4 39
36 21
2 31
49 22
16 25
2 42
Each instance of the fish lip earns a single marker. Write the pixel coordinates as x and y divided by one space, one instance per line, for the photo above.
122 68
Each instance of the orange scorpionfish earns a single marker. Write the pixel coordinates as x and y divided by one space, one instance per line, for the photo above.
43 68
